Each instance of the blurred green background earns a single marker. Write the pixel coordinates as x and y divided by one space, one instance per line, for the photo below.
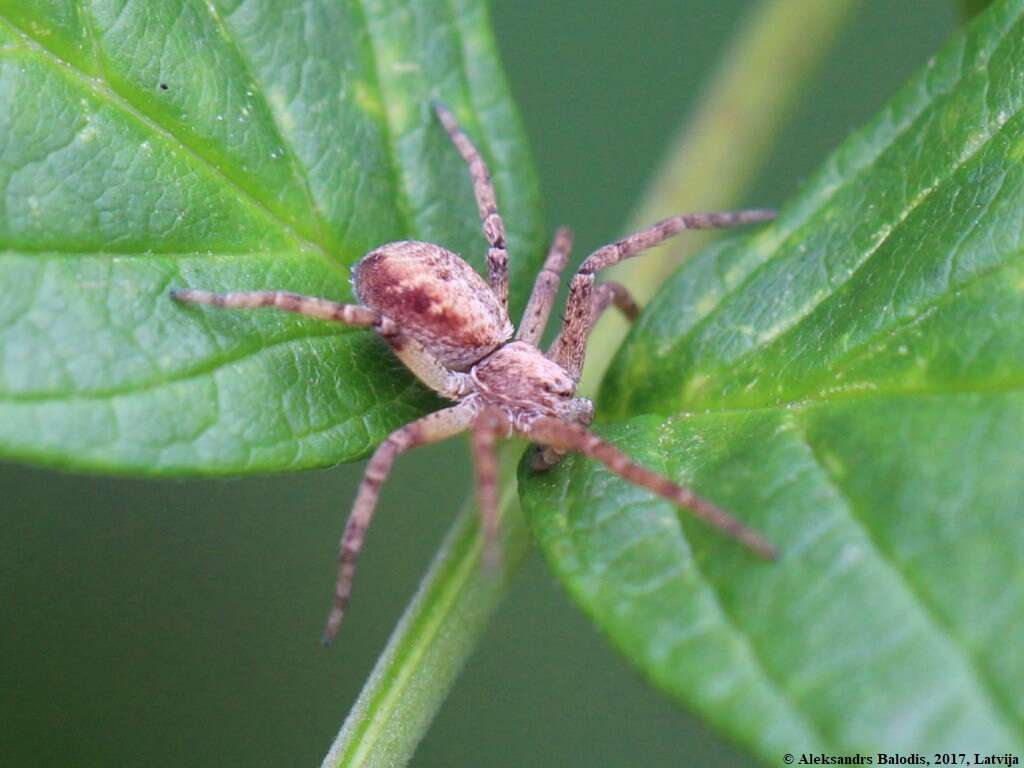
172 623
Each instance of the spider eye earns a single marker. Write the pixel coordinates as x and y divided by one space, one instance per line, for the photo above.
558 387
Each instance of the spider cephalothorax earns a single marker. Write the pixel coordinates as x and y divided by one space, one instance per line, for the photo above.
451 329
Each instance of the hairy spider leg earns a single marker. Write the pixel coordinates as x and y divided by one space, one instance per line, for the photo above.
490 424
573 437
432 428
569 349
486 203
545 289
607 295
323 309
450 384
616 295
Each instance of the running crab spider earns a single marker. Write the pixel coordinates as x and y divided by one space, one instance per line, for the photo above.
452 330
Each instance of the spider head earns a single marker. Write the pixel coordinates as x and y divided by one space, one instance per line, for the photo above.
519 376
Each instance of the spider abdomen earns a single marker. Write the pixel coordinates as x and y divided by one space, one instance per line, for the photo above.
436 298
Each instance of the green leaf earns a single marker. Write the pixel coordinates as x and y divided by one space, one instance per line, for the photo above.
227 146
850 381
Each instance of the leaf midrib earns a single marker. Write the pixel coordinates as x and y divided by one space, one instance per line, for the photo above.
797 228
806 404
298 172
864 345
103 91
981 679
774 683
982 682
797 320
861 351
403 204
206 366
857 353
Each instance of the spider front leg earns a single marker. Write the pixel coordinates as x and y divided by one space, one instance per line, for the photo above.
546 456
564 436
613 295
486 203
430 429
545 289
570 347
570 340
450 384
322 309
489 425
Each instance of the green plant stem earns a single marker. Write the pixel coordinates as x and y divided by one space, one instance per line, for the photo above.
714 158
436 634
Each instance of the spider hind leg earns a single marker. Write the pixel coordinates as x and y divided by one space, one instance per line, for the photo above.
430 429
486 202
489 425
564 436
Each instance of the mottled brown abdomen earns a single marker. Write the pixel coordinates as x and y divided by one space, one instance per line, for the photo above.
434 297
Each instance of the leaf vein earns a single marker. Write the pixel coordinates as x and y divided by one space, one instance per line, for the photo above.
398 182
298 170
103 90
886 233
773 683
982 682
795 228
207 366
862 350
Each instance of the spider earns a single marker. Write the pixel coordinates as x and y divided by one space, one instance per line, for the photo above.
452 330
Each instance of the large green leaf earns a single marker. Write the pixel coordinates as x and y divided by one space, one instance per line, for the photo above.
227 145
851 382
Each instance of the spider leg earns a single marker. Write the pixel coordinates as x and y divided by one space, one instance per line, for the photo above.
573 437
486 203
545 289
349 314
604 295
571 344
489 425
617 295
430 429
450 384
545 457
